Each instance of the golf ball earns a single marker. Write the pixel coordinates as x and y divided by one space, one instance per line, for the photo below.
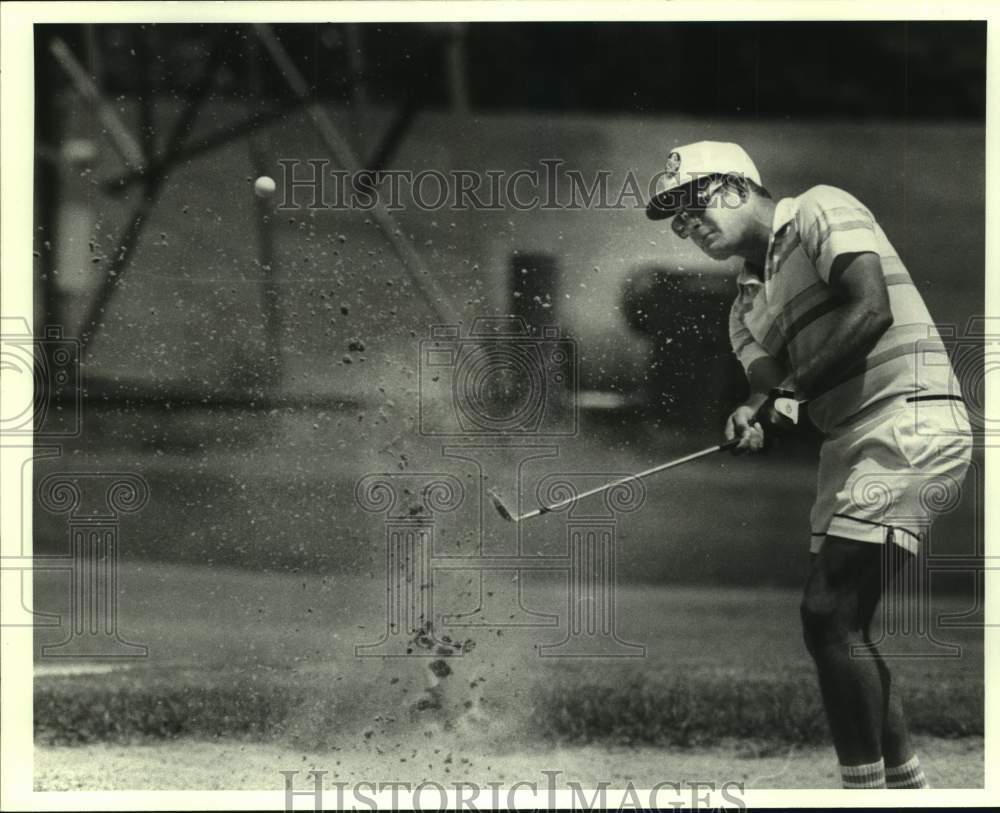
264 186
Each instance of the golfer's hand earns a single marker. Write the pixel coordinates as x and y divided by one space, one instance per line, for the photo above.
742 424
780 421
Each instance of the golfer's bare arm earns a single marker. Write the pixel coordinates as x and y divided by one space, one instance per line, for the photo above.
863 316
764 374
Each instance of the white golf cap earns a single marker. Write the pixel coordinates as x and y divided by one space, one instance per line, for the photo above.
688 165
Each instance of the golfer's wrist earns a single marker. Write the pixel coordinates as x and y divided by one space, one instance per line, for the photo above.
756 401
791 384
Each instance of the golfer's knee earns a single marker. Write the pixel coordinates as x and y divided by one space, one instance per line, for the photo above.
825 623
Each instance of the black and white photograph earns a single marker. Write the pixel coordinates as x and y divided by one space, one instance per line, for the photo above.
496 406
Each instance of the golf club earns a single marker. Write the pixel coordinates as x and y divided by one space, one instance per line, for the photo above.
545 509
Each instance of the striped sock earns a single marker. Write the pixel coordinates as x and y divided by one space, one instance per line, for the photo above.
863 776
907 775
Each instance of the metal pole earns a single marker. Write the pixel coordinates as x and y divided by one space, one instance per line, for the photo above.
118 134
48 131
220 138
458 88
260 148
439 303
359 93
151 190
147 110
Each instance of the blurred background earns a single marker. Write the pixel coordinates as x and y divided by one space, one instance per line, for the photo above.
252 363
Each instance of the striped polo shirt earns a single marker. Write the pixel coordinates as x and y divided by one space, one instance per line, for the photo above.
790 313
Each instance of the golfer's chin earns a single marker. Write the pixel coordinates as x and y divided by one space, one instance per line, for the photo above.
714 248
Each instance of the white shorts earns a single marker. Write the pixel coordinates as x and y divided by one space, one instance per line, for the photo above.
887 474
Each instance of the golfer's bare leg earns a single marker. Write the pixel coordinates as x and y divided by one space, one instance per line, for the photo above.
896 747
840 597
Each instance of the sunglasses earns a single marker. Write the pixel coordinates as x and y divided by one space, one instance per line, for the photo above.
688 217
684 223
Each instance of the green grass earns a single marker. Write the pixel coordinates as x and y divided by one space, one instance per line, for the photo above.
626 706
270 657
706 710
123 709
683 712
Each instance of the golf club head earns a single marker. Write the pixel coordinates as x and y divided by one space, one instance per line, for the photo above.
501 508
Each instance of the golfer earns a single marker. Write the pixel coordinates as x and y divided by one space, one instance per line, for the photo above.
826 313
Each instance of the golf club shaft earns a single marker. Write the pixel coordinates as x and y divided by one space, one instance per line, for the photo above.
729 444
